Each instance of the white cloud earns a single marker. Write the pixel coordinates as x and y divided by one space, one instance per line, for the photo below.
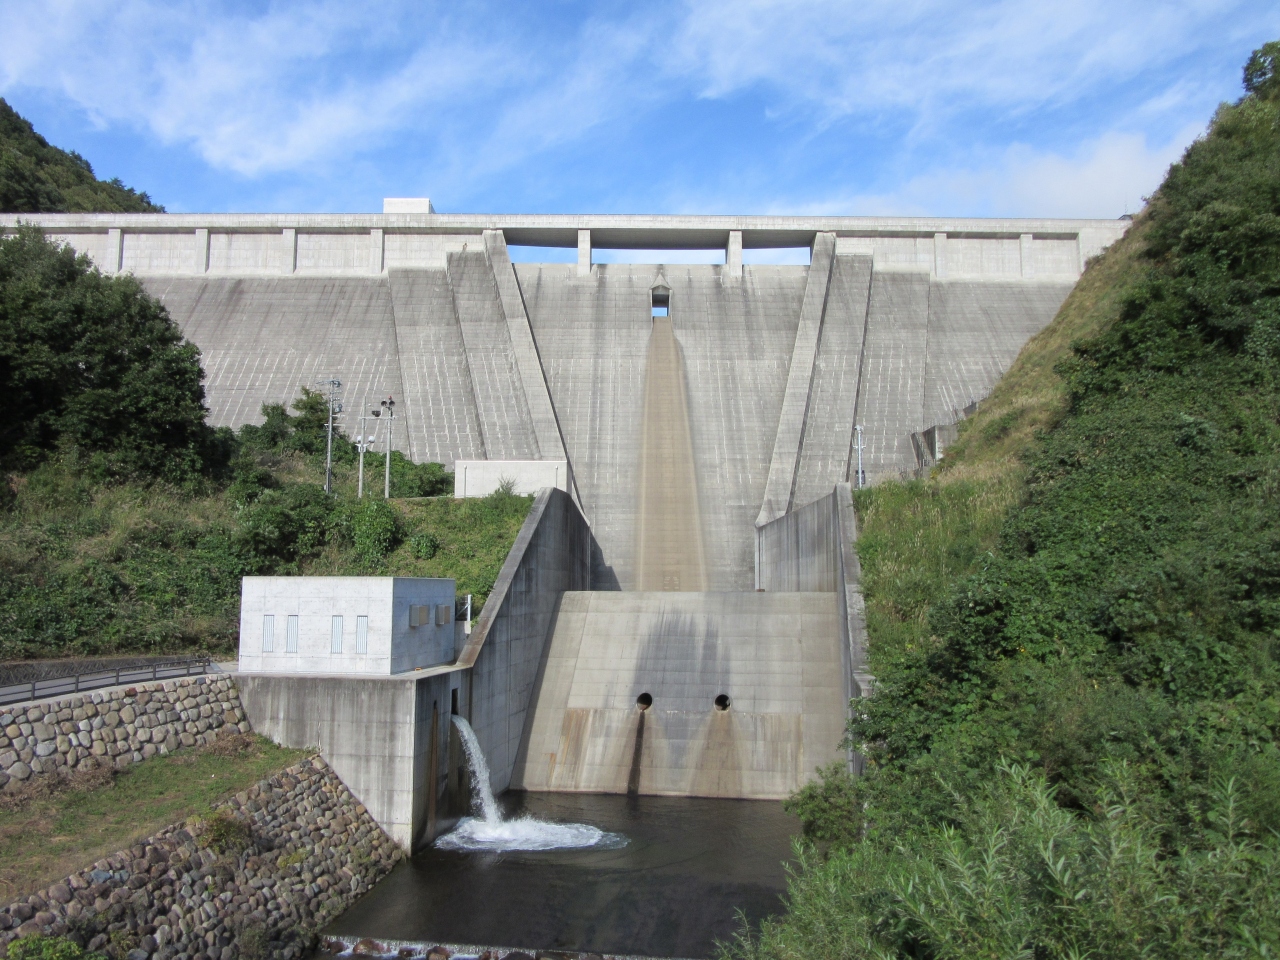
1104 178
276 91
295 87
928 55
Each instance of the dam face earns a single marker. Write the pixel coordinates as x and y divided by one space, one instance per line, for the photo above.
710 450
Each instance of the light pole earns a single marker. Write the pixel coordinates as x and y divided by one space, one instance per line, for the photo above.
858 444
363 442
389 406
335 406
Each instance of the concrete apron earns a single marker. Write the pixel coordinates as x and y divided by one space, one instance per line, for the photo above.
775 656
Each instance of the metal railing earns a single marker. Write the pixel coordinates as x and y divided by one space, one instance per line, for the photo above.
61 686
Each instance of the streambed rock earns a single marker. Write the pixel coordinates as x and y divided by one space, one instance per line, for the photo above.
272 865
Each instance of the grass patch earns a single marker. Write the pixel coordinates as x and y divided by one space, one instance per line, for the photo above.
51 834
918 538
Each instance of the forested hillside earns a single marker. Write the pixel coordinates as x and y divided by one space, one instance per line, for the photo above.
1075 622
126 521
36 177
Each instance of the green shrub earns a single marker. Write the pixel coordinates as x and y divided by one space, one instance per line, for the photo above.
287 525
40 947
375 529
1010 873
425 545
225 833
1096 617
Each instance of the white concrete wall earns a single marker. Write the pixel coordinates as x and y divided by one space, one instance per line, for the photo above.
479 478
392 645
408 235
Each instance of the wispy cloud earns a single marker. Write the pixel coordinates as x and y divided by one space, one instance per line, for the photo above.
482 97
1103 178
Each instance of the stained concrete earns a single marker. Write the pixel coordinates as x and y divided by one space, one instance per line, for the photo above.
376 734
776 656
552 554
895 325
437 400
812 548
669 543
263 340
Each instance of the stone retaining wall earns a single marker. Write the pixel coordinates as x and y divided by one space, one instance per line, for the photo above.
272 865
120 726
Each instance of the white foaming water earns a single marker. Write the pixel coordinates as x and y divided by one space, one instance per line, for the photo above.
479 772
489 831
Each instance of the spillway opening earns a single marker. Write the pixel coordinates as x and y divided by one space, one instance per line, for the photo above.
722 702
644 701
660 300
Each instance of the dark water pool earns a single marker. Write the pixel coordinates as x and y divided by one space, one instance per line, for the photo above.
672 891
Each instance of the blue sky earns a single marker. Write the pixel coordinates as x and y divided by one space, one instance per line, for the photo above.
728 106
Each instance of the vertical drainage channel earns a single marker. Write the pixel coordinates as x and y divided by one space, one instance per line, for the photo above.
669 554
644 702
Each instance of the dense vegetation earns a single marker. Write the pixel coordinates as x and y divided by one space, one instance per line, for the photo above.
1075 623
126 521
36 177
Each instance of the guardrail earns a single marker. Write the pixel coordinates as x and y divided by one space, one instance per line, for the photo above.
96 680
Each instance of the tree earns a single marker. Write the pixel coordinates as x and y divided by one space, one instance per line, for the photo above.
95 363
1261 76
37 177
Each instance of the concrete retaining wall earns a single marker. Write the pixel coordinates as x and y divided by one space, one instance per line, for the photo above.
774 656
812 548
552 554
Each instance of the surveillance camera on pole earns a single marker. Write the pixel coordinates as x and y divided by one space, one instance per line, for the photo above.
389 406
363 442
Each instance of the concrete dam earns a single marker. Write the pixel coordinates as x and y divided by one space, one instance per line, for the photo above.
682 616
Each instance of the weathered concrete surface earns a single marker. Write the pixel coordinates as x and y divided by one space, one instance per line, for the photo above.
505 423
592 333
828 428
438 402
669 543
262 340
916 317
737 340
795 402
552 554
479 478
374 733
776 656
976 331
812 548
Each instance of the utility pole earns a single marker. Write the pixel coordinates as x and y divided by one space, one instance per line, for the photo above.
363 442
858 445
335 406
389 405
